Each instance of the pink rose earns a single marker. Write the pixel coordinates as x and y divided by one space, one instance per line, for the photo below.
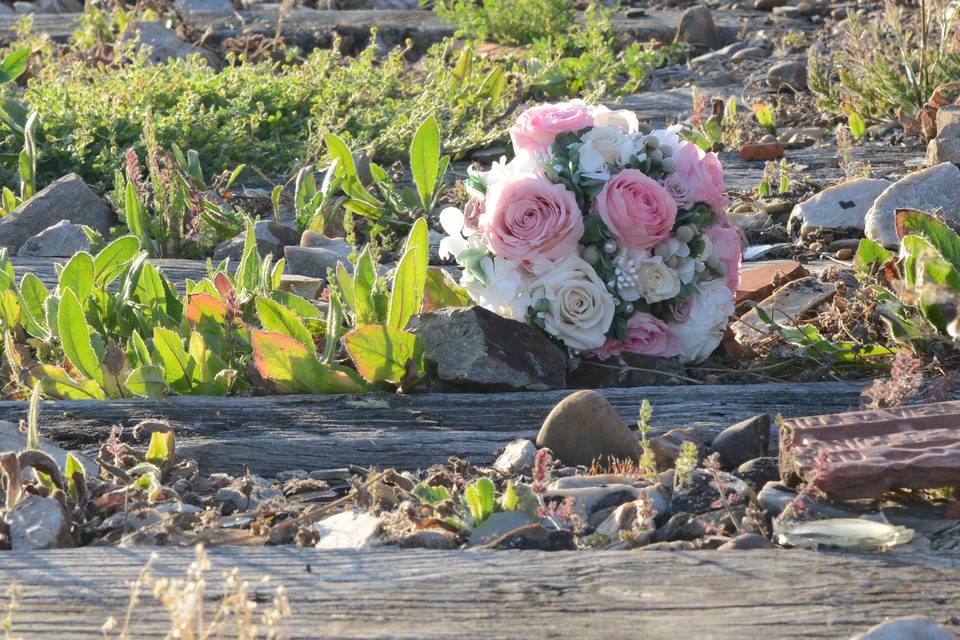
726 246
646 335
702 174
637 209
531 218
537 127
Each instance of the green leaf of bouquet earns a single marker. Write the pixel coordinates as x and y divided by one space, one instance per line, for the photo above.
75 337
381 353
292 368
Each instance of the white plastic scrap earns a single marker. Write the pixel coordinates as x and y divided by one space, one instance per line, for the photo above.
852 534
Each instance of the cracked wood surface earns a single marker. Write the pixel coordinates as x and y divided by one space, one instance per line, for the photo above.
277 433
389 593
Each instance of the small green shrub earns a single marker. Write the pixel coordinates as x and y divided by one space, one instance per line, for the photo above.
512 22
890 63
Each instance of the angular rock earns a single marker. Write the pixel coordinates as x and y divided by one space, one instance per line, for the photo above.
696 28
943 149
947 116
516 458
862 454
476 348
746 541
666 447
65 199
584 427
789 302
314 261
842 207
38 523
164 44
907 628
759 471
271 238
498 525
11 439
62 240
758 281
303 286
788 74
348 530
743 441
695 494
928 190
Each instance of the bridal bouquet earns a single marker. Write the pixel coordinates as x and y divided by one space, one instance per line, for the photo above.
609 239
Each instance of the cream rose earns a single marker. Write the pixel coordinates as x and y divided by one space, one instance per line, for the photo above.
658 282
706 322
608 141
623 119
580 309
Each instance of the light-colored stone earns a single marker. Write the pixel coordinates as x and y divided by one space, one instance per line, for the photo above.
61 240
947 115
348 530
908 628
65 199
696 28
271 238
944 149
584 427
517 457
314 261
11 439
163 43
750 53
790 73
498 524
38 523
592 499
204 6
841 207
934 189
788 303
303 286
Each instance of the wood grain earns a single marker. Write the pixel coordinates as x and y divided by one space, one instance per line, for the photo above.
279 433
750 595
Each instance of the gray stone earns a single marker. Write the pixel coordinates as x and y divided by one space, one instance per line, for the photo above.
768 5
750 53
303 286
788 74
759 471
746 541
697 28
204 6
65 199
743 441
271 238
516 458
787 304
947 115
929 190
38 523
775 498
589 500
625 521
61 240
11 439
666 447
499 524
841 207
944 149
348 530
162 43
584 427
49 6
314 261
477 349
907 628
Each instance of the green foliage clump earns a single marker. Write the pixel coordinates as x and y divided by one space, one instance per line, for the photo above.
511 22
890 63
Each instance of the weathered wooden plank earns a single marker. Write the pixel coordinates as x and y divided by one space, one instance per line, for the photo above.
177 270
310 29
278 433
434 594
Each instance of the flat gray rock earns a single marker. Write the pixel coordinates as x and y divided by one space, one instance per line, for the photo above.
932 190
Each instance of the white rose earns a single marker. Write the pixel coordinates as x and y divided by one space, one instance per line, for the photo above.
608 141
580 307
658 281
592 164
623 119
501 288
710 312
669 137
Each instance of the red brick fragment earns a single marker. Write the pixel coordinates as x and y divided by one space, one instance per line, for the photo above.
761 151
867 453
759 279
